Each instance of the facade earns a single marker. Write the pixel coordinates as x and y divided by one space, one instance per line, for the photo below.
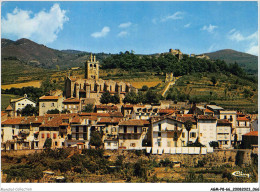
224 128
242 127
47 103
132 133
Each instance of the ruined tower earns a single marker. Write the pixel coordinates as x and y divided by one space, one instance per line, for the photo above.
92 68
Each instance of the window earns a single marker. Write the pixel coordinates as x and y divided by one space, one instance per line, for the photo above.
135 136
108 144
225 117
77 129
85 129
192 135
61 135
54 135
56 143
129 136
245 123
85 136
62 144
77 136
36 144
13 126
48 135
160 127
159 143
135 129
43 136
125 129
159 134
144 129
201 134
52 104
183 135
226 142
231 118
13 131
175 136
132 144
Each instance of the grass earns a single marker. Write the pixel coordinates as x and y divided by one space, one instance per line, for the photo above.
5 100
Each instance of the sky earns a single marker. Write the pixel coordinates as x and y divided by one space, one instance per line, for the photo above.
144 27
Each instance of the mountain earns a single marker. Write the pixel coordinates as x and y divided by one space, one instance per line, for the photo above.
38 55
245 60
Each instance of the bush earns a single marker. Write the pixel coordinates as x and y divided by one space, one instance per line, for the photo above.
214 144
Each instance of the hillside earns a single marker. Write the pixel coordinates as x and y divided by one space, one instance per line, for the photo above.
248 62
41 56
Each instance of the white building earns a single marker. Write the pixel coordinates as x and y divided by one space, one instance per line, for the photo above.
19 104
207 126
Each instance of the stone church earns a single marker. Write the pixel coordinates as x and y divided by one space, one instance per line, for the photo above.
92 87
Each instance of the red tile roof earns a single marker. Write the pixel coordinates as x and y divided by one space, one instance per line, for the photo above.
15 121
49 98
136 122
252 133
184 119
110 120
115 114
108 107
9 108
208 111
166 111
71 100
200 117
95 114
76 119
242 119
223 121
3 113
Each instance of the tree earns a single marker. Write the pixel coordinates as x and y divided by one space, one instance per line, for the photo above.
88 108
115 99
95 139
131 98
53 111
213 80
145 88
105 98
47 143
188 126
29 110
214 144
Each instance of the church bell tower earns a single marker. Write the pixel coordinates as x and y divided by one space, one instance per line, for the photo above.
92 68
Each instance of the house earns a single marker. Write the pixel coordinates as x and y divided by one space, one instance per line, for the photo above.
80 133
49 129
47 103
230 115
132 133
72 105
242 127
207 128
166 132
224 128
216 109
250 139
18 104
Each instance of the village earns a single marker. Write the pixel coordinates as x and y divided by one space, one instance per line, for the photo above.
168 127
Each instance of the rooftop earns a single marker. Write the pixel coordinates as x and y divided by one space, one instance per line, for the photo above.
252 133
137 122
214 107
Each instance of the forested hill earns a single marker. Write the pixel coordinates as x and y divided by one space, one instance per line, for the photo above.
170 63
244 60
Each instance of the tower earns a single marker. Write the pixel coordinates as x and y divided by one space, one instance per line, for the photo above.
92 68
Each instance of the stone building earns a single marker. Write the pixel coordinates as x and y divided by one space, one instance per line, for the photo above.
92 87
